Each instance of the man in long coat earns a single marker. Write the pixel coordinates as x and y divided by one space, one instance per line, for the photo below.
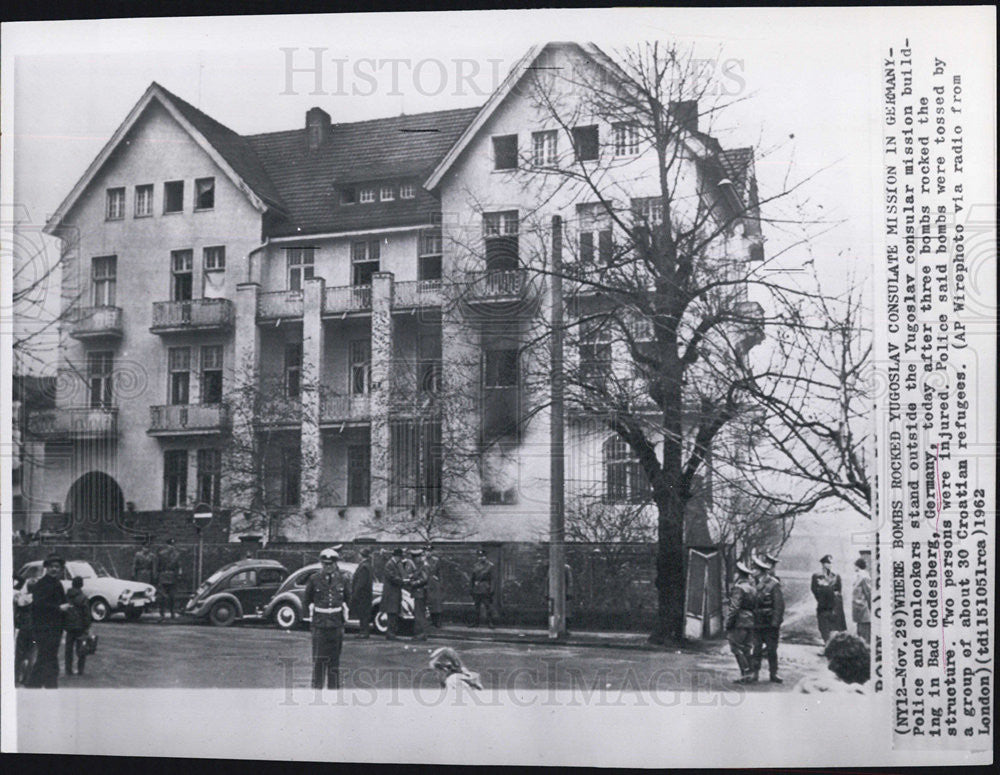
828 590
168 574
392 591
144 565
740 621
416 582
361 592
482 587
769 613
435 587
48 604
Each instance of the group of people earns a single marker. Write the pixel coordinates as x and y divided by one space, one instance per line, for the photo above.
753 622
43 611
827 588
162 569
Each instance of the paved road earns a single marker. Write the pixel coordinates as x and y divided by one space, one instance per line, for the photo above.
188 655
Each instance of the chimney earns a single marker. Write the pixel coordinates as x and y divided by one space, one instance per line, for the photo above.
685 114
318 127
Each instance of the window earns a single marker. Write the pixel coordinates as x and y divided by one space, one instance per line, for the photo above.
116 204
360 366
143 201
429 254
104 273
365 260
173 196
348 196
500 473
429 359
211 374
204 193
500 235
301 263
291 476
179 367
269 577
586 143
293 369
214 272
358 475
209 476
100 374
367 195
626 139
242 580
175 462
182 272
624 477
500 368
595 360
543 148
505 152
594 229
415 463
407 191
387 193
647 212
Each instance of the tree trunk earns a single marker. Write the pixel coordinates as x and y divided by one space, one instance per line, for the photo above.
669 627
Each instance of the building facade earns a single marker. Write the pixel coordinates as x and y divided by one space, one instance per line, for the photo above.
324 331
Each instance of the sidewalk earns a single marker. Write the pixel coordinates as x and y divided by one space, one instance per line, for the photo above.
637 641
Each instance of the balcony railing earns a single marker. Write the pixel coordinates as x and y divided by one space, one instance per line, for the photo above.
192 315
345 409
498 287
187 418
279 304
74 423
418 293
347 298
96 322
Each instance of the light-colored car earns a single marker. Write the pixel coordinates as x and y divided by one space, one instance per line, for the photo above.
287 610
107 595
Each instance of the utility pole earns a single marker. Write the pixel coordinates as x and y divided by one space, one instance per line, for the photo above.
557 494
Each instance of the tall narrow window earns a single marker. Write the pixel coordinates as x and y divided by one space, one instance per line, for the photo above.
204 193
209 476
214 272
358 475
626 138
293 369
211 374
100 374
500 235
173 196
505 152
625 479
301 263
175 463
429 258
543 148
360 366
365 258
291 476
179 367
116 204
595 235
104 273
429 359
585 143
182 275
143 200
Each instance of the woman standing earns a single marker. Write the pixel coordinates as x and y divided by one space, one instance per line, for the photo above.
828 591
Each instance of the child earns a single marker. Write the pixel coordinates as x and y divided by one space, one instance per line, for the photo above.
77 624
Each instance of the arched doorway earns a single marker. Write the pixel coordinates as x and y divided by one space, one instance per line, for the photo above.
96 504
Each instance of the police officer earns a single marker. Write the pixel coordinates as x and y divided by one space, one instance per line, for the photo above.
392 591
740 622
144 564
326 592
417 584
361 592
435 587
768 615
168 573
482 587
48 606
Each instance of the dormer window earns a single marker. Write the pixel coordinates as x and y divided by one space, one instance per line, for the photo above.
387 194
348 196
407 191
116 204
367 195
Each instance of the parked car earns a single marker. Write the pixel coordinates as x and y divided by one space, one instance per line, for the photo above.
107 595
287 610
236 591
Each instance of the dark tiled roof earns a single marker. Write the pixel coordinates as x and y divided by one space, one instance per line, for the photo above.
393 150
234 148
737 164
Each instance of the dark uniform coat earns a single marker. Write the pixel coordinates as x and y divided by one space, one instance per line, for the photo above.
392 589
47 595
483 581
361 591
144 566
828 591
740 621
435 587
168 566
327 593
768 616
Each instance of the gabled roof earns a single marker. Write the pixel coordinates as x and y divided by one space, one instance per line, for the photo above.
230 152
394 150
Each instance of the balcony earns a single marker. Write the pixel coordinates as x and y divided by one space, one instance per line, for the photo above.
507 289
345 410
184 419
279 304
98 323
173 317
345 300
74 423
415 294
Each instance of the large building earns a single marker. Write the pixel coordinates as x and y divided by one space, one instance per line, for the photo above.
323 332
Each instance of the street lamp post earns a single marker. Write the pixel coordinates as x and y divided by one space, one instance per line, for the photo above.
201 517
